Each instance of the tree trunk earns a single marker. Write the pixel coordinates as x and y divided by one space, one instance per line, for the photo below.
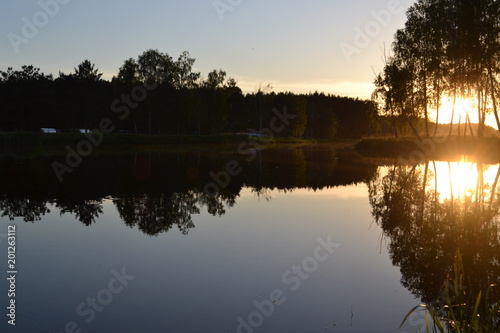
493 98
426 115
438 103
450 178
480 123
395 127
394 122
453 113
459 123
413 129
435 191
494 187
422 198
470 127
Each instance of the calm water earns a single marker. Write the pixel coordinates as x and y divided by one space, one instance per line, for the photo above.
298 240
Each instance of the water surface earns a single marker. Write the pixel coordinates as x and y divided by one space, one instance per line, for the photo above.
132 243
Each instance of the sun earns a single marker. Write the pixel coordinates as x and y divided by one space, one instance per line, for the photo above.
463 107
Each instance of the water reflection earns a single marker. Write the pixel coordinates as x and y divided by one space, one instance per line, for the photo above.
30 210
154 192
86 211
430 211
154 214
426 212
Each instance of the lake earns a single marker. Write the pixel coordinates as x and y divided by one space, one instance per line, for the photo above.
308 239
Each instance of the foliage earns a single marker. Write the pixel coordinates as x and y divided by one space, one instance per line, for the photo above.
448 48
425 229
462 311
156 94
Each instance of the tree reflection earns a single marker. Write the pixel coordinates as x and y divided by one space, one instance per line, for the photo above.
30 210
157 191
86 211
154 214
425 226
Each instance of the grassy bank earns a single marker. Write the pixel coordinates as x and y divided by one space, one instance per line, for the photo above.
432 147
40 144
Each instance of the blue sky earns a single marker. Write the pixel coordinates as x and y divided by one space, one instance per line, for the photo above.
298 46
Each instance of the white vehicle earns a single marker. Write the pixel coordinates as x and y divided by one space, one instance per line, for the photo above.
48 130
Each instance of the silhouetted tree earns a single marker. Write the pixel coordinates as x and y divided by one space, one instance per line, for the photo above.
27 99
175 102
447 47
87 71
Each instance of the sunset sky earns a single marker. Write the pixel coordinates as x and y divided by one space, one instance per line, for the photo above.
299 46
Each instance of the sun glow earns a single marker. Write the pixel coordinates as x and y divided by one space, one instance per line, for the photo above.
464 107
463 178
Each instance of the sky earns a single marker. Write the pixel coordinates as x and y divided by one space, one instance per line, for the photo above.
329 46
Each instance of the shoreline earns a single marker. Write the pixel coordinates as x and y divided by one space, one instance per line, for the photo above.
29 144
441 147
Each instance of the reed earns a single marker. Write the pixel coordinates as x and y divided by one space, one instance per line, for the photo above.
463 311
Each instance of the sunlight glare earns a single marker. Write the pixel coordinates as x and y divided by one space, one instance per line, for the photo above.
463 107
460 178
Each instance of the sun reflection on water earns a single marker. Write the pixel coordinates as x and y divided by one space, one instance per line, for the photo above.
464 178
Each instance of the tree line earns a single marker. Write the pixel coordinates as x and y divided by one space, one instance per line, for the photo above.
177 101
450 49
